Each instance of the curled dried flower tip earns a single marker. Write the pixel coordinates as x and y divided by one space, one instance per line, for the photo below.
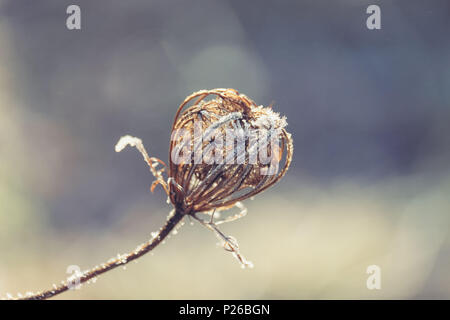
152 162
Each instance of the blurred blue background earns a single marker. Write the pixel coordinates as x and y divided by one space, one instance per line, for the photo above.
368 110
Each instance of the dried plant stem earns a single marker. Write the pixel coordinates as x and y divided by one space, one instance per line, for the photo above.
203 188
121 260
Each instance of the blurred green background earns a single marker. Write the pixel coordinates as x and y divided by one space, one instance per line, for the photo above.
369 112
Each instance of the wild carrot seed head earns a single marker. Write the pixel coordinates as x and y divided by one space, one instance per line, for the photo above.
223 150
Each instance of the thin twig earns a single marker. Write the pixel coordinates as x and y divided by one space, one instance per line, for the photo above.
229 243
121 260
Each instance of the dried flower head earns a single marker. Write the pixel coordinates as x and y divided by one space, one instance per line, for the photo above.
224 149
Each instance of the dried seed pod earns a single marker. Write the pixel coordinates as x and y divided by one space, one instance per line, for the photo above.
199 131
